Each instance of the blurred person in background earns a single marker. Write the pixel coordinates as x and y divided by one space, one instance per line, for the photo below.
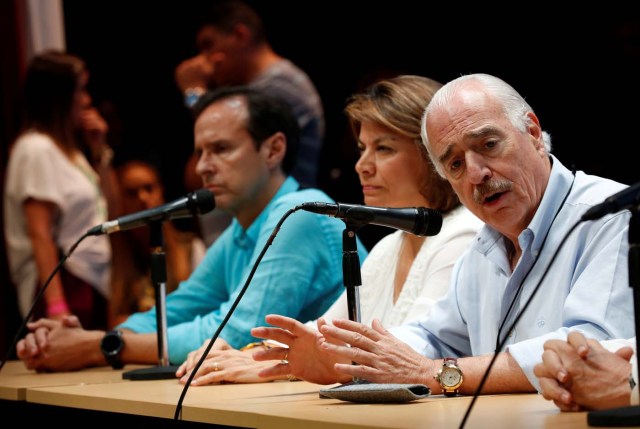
234 50
132 289
58 184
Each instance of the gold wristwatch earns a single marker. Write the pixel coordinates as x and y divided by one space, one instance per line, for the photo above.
449 377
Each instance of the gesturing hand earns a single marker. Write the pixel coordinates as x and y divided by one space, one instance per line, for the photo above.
378 356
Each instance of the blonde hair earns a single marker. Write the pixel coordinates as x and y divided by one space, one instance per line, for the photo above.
397 104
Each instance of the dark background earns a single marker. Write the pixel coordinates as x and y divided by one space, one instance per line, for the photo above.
580 72
578 69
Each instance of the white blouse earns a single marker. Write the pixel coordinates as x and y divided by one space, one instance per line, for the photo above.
38 169
428 278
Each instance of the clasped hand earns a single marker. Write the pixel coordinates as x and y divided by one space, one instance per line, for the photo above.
580 374
50 345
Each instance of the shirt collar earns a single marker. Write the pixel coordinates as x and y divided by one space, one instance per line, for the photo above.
249 236
560 181
559 185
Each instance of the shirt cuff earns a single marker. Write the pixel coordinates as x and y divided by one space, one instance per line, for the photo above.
527 354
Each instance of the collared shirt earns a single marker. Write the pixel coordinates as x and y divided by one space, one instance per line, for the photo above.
300 276
586 287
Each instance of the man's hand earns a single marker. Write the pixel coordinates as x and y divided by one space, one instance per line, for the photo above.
580 374
59 346
194 72
379 357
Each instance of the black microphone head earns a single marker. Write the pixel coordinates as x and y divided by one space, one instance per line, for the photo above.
429 222
203 201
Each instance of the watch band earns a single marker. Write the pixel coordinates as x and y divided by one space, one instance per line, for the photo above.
111 347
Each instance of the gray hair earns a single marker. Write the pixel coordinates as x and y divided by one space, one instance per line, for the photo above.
514 106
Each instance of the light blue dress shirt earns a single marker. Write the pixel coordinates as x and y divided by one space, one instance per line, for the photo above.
586 288
300 276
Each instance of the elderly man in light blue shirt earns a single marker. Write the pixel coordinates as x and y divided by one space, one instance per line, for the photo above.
485 139
586 286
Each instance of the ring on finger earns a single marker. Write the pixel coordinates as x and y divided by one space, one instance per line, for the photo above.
285 360
216 367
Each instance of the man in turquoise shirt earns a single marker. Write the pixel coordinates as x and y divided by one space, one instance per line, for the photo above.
246 142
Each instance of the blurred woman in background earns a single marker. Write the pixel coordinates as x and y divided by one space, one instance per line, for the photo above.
57 182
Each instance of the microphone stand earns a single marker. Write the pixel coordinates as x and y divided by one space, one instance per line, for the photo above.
351 269
626 416
351 276
159 280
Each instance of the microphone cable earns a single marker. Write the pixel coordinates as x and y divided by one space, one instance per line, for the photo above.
23 325
500 343
213 339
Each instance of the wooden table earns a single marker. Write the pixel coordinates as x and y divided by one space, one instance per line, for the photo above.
102 396
15 378
297 405
306 410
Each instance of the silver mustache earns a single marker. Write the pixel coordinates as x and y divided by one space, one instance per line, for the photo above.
489 188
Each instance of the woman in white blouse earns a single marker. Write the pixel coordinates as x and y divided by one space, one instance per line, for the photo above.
404 274
394 171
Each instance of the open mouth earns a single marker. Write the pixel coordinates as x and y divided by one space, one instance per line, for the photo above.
494 197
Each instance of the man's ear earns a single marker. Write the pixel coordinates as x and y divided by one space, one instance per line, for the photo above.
535 130
274 149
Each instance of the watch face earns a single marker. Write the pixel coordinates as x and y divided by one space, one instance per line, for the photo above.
112 343
451 377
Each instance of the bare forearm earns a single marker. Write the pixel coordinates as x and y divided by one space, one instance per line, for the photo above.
46 256
140 348
505 376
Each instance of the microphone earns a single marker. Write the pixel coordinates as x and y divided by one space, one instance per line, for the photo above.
416 220
198 202
625 199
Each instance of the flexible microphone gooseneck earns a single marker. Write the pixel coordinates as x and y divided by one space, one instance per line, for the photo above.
416 220
223 323
23 325
198 202
195 203
500 343
625 199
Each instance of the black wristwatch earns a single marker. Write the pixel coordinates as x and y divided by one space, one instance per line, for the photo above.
111 346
